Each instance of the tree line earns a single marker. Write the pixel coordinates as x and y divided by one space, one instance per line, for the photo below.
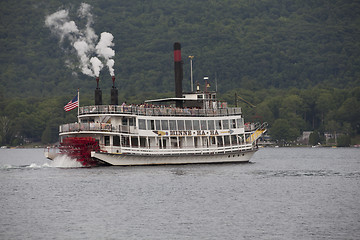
288 112
297 61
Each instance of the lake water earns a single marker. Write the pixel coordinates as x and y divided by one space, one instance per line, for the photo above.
285 193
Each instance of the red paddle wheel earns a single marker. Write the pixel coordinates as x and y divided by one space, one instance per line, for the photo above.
80 148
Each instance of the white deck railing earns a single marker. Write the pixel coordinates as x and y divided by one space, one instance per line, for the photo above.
158 111
108 127
104 127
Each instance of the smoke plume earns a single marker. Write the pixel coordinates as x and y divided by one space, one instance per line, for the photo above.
84 40
97 65
60 25
103 49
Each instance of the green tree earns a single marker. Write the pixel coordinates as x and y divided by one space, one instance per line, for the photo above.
5 130
343 141
349 112
282 131
314 138
324 104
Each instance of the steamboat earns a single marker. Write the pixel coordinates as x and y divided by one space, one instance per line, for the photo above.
189 128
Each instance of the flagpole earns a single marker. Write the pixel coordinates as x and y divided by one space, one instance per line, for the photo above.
78 105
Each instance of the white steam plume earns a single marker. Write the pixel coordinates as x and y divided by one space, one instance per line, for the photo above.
97 65
85 44
60 24
84 40
82 49
103 49
89 33
110 63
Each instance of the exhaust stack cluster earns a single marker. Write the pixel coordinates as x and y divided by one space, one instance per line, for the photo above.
114 100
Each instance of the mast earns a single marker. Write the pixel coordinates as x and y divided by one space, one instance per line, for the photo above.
191 73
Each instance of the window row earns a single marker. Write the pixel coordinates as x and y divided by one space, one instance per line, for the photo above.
191 124
162 142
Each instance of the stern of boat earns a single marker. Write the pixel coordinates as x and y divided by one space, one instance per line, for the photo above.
80 148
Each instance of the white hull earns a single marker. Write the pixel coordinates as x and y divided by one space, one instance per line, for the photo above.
133 160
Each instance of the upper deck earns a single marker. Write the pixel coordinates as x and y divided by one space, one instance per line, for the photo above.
143 110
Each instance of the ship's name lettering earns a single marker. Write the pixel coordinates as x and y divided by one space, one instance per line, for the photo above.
191 133
180 133
211 132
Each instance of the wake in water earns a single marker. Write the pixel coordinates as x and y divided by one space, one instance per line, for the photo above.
62 161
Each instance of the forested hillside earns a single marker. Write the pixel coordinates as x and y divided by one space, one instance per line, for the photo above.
244 43
248 46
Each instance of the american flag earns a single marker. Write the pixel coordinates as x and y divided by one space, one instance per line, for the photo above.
74 103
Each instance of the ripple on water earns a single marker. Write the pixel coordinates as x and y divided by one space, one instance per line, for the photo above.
304 173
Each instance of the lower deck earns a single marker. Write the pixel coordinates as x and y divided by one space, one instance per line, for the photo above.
168 145
133 160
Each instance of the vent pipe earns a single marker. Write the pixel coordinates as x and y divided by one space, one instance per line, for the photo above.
114 93
98 93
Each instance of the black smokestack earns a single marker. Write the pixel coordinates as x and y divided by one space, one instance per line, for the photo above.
114 93
178 73
98 93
